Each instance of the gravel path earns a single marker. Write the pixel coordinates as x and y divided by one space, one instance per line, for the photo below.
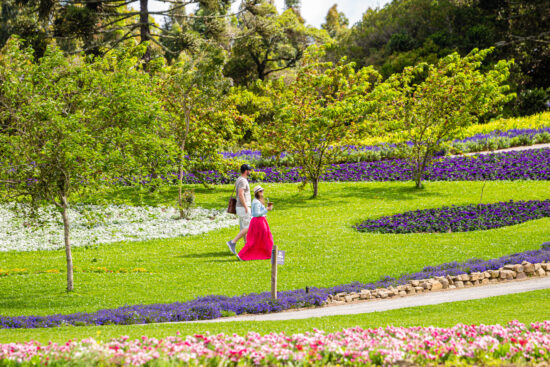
514 149
431 298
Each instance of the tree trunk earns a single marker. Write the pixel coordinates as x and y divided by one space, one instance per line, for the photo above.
420 168
66 236
315 183
144 28
182 157
418 177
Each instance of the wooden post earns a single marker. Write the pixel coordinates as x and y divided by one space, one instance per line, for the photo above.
274 272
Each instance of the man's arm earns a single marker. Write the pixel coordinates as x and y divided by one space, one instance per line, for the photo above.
241 198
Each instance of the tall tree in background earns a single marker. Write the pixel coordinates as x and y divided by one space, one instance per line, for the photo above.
27 19
266 43
292 4
336 23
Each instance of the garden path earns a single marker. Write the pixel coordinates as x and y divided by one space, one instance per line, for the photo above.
514 149
424 299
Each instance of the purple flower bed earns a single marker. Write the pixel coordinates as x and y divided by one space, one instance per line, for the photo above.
531 164
523 136
212 307
508 134
459 218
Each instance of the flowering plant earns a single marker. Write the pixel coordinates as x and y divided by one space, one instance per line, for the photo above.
459 218
459 345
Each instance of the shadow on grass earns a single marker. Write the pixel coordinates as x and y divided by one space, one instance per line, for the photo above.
394 193
206 255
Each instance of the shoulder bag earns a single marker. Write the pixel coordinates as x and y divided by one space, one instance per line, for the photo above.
232 204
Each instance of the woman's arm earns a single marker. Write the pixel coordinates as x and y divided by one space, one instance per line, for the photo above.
258 210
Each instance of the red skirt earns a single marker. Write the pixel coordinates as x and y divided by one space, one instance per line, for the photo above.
259 241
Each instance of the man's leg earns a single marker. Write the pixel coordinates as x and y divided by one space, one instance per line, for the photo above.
242 234
244 222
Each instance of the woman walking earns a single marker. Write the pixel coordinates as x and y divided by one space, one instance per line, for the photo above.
259 240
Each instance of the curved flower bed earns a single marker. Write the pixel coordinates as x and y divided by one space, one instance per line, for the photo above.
459 218
212 307
92 224
496 139
531 164
462 344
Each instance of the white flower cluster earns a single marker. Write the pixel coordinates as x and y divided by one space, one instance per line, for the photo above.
92 224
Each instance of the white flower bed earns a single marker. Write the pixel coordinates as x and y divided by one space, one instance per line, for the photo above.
91 225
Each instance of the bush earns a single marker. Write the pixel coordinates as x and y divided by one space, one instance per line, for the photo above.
532 101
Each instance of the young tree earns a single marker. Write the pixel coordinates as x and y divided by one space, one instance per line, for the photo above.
70 126
428 105
203 119
321 108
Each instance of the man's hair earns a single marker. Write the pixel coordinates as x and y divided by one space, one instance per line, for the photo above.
245 167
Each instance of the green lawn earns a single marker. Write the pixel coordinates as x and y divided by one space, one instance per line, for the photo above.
525 307
322 248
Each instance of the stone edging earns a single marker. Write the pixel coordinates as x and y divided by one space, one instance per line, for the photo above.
506 273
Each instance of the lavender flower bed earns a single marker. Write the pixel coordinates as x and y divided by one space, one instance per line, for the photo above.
495 140
212 307
508 134
531 164
459 218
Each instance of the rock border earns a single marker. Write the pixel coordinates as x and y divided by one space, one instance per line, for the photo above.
507 273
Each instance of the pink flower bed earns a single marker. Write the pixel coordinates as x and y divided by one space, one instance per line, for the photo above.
512 343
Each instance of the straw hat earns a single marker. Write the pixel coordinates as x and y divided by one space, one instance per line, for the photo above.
257 189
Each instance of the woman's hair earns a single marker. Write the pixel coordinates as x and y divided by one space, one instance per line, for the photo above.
257 195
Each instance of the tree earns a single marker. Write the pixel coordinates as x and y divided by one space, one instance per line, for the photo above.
292 4
71 126
203 117
336 23
27 19
324 106
430 104
266 43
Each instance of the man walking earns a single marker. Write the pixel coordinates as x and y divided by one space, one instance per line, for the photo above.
243 206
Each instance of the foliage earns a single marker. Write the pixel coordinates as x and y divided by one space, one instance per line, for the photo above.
203 117
533 101
541 120
267 43
336 23
406 32
429 104
324 105
72 126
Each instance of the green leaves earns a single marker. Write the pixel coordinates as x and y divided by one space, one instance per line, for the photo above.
325 105
72 123
428 105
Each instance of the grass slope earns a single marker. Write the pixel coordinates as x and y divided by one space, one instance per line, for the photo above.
322 248
525 307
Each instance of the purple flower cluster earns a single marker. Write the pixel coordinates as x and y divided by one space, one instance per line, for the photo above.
459 218
531 164
494 140
508 134
211 307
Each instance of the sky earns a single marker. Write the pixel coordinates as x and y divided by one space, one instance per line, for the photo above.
313 11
